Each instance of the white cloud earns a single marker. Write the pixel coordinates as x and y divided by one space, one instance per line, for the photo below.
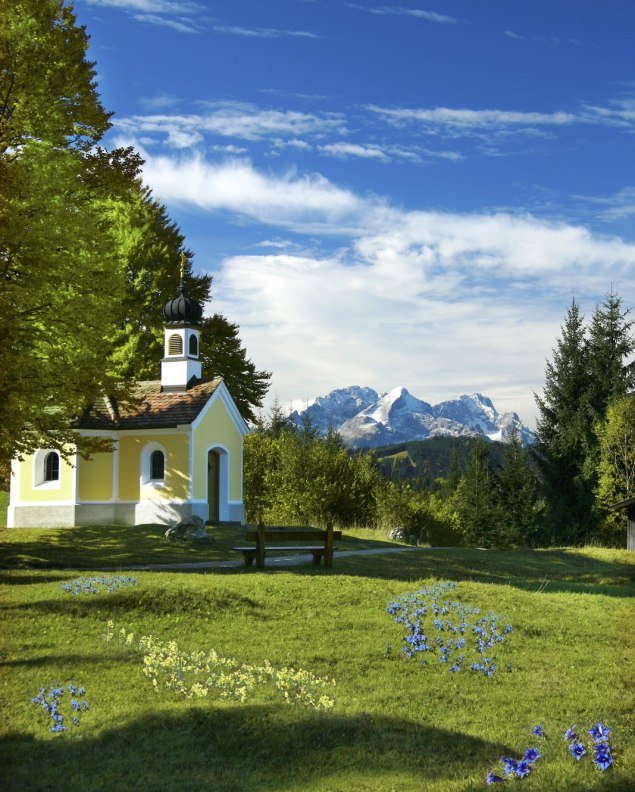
428 16
287 200
232 119
373 151
618 207
355 150
466 121
175 14
150 6
236 30
441 302
159 102
473 119
229 149
175 24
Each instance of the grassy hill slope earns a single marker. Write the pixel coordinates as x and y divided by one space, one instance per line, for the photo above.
395 725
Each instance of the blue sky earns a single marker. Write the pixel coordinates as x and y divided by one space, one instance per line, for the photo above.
387 193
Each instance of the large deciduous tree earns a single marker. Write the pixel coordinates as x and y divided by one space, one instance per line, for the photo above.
616 468
87 255
60 279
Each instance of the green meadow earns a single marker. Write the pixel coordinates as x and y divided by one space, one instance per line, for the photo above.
394 724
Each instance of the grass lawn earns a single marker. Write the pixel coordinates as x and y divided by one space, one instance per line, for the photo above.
395 725
96 547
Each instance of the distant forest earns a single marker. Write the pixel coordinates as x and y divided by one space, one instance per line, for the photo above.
427 465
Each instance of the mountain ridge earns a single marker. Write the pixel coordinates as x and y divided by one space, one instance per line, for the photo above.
367 419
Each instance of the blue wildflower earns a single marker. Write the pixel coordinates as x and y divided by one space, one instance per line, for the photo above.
509 765
571 735
538 731
599 732
603 758
531 755
493 779
523 769
577 750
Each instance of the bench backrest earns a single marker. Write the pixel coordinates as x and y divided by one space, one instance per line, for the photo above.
291 535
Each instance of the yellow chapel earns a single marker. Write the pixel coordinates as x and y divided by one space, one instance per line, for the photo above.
177 449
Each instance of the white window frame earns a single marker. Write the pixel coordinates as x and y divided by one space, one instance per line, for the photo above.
146 466
39 470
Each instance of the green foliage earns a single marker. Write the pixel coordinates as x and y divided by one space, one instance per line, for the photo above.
583 377
86 254
477 502
432 465
616 469
518 495
223 355
61 280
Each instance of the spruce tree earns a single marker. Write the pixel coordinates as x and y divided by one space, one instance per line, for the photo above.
477 502
583 378
611 343
518 490
564 433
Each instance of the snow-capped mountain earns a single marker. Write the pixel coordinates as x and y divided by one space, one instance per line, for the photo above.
366 420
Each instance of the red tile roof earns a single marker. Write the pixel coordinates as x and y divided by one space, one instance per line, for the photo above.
151 408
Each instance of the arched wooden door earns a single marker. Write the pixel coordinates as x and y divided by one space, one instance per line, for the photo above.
213 485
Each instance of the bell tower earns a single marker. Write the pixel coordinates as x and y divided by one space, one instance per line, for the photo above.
181 364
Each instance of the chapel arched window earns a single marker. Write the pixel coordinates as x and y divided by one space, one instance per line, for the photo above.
157 466
52 466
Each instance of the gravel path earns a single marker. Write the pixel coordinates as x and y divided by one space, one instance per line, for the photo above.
272 561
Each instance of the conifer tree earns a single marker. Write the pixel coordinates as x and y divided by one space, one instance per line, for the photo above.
580 382
611 343
518 490
477 502
564 434
223 354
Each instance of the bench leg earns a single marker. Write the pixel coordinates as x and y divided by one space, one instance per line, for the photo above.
249 559
328 546
316 558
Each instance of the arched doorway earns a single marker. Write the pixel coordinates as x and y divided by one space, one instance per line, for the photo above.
218 484
213 485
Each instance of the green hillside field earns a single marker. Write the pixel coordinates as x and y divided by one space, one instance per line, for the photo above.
394 724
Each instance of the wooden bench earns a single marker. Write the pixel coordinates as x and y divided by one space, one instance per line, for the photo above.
268 541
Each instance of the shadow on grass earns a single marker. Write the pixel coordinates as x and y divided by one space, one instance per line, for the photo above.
51 661
545 570
90 547
180 601
247 748
114 546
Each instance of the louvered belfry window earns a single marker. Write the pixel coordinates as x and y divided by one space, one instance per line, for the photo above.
175 345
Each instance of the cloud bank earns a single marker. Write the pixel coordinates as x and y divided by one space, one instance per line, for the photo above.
439 301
